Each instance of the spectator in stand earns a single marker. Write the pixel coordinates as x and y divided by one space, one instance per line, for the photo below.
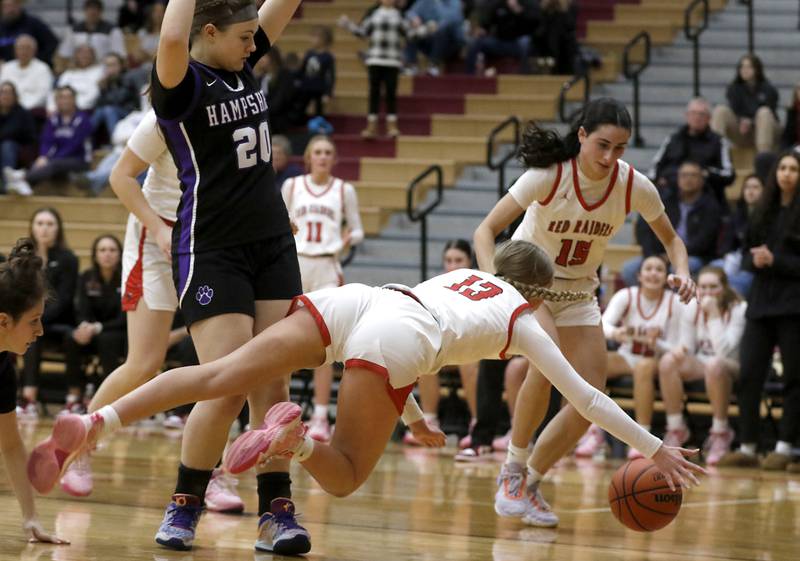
554 39
61 270
84 79
445 19
133 14
749 117
15 21
503 30
118 95
697 142
102 36
65 145
281 152
100 320
696 215
317 74
278 85
790 138
772 253
32 78
387 31
150 31
734 236
16 129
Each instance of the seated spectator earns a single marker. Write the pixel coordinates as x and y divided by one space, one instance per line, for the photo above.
15 21
733 238
317 74
102 36
150 31
118 95
791 132
710 333
16 129
503 31
554 39
84 79
281 152
133 15
697 142
749 117
58 319
100 320
65 145
446 19
278 85
696 216
32 78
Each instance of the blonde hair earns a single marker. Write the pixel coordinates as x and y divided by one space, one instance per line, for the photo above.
529 269
729 297
314 139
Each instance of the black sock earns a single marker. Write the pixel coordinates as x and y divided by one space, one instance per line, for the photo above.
271 486
192 481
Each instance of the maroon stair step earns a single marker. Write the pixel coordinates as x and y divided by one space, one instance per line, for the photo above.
453 84
354 146
409 123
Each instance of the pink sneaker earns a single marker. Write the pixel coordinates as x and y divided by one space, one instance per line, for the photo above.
280 435
319 429
500 444
221 495
409 438
717 445
72 434
77 480
677 437
591 442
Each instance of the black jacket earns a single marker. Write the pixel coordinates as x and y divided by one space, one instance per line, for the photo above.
499 21
776 289
62 275
702 232
17 125
100 301
120 92
708 149
745 101
791 135
27 24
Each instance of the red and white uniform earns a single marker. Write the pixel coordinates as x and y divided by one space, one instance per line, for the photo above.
146 271
319 211
456 318
643 319
713 338
572 218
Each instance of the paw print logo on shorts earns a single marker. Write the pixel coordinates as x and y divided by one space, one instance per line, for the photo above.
204 295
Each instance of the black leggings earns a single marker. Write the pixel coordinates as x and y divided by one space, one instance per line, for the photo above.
109 346
52 340
386 75
758 341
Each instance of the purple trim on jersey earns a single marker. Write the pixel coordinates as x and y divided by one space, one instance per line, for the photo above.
182 153
193 103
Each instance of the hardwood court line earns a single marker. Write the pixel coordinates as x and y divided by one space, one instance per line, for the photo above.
694 504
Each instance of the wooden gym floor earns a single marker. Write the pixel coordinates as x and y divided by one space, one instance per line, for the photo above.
418 505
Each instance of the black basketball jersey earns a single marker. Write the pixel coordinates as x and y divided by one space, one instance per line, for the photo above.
215 124
8 383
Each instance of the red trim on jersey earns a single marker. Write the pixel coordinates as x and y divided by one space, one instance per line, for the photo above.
397 395
514 315
554 188
639 305
327 187
323 328
577 186
628 190
134 284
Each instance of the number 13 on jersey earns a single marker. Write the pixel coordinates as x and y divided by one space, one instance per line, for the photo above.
573 252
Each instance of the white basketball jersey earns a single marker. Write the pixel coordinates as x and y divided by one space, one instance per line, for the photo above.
318 212
161 186
704 345
476 312
643 317
572 230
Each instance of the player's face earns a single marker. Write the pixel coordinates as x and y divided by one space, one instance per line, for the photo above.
234 45
709 285
455 259
752 190
601 149
44 229
653 273
19 335
107 254
322 157
788 174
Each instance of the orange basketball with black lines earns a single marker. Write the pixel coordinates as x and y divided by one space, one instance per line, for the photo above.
640 497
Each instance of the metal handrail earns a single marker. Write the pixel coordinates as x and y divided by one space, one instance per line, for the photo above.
693 35
750 26
421 215
566 87
70 19
632 72
501 164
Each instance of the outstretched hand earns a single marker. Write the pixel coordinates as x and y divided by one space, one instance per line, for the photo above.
685 287
676 468
430 437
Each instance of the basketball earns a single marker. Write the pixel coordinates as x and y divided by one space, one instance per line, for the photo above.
640 497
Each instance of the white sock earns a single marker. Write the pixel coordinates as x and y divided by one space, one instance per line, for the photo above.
72 398
305 450
430 417
516 454
321 411
719 425
534 476
110 418
675 422
748 448
783 447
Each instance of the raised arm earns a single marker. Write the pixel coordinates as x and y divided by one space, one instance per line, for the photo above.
172 59
678 257
504 213
274 15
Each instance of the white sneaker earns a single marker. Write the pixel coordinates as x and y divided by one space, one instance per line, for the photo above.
510 499
539 513
19 187
11 174
319 429
591 443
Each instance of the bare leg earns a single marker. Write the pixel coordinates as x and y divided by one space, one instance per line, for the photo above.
323 380
644 390
365 420
672 372
515 376
469 381
719 381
